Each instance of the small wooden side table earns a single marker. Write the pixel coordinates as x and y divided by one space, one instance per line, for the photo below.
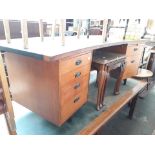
104 62
144 74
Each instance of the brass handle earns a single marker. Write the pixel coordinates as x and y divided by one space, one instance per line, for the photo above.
135 49
77 74
78 62
77 86
76 99
132 61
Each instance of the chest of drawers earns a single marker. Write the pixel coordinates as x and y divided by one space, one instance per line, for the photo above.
54 89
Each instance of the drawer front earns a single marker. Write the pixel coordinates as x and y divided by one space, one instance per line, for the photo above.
76 74
72 105
69 64
133 50
74 87
132 66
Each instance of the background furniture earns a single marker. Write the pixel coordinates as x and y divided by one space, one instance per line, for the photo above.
15 29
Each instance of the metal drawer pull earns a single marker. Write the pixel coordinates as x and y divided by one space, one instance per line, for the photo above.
132 61
76 99
135 49
77 86
77 74
78 62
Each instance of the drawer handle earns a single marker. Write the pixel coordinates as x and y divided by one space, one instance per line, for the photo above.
132 61
77 86
135 49
76 99
78 62
77 74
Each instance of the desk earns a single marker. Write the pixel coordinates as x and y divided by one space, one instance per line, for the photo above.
49 79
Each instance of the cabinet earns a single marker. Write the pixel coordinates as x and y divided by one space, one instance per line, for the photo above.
55 89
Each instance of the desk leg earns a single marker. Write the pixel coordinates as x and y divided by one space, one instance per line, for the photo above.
132 106
118 82
102 81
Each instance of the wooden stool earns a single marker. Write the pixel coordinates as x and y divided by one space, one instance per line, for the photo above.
144 74
104 62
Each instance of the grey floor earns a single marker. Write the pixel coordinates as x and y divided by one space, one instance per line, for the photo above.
143 122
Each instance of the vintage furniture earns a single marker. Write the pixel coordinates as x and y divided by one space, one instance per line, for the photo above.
151 69
144 74
55 89
15 29
104 62
50 79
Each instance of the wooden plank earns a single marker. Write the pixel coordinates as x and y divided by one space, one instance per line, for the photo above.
62 24
7 30
104 29
95 125
53 29
41 29
9 114
79 29
24 31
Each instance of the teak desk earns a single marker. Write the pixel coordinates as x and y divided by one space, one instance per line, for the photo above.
50 79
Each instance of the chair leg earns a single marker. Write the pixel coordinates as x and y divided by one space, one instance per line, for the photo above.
132 106
125 81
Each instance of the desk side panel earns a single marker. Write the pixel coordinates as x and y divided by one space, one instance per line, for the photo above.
35 84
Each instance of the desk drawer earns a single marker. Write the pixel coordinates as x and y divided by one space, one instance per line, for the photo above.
69 64
133 50
76 74
74 87
132 66
72 105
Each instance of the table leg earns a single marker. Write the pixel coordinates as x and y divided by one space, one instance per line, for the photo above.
132 106
125 80
118 82
102 81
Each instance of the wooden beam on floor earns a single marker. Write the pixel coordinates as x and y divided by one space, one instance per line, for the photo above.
101 120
